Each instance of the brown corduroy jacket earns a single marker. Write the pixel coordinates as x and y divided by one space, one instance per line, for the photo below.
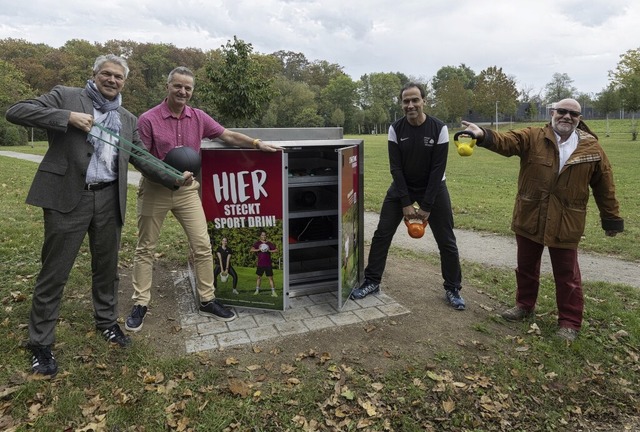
551 207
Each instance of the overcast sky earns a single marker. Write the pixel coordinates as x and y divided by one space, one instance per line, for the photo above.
529 39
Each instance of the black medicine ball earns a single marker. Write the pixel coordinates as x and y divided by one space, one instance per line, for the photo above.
184 159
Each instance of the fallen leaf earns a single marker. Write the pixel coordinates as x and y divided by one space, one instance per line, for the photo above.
369 408
287 369
6 391
294 381
377 386
448 406
348 394
239 388
231 361
533 328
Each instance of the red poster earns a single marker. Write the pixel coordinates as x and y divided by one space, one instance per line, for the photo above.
241 189
242 197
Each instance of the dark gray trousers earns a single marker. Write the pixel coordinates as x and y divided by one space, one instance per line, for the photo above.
98 215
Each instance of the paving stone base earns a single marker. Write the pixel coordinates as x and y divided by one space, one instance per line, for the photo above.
305 314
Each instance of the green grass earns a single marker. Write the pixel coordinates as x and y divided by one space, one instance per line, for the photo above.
483 189
526 383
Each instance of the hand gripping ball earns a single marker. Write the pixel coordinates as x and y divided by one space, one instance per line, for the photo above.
264 247
184 159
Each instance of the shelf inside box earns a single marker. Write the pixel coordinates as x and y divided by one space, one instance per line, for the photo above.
312 287
312 213
312 243
313 198
309 260
308 165
313 226
313 180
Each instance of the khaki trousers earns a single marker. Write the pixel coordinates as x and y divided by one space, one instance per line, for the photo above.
154 201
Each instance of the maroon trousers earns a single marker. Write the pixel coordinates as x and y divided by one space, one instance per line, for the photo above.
566 274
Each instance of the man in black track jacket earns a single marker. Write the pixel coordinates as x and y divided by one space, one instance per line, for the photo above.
418 149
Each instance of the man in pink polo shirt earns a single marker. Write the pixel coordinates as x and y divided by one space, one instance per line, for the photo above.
172 124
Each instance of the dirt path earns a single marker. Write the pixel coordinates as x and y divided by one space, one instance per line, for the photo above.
500 251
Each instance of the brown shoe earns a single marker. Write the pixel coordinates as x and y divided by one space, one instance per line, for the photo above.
568 334
516 314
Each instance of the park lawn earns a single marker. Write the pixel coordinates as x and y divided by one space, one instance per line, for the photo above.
483 187
532 383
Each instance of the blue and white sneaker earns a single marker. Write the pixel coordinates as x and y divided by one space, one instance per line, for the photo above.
365 289
454 299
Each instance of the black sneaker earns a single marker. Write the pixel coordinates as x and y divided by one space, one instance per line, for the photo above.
43 362
219 303
215 310
135 318
115 336
365 289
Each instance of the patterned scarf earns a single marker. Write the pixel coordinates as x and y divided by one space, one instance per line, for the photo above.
109 118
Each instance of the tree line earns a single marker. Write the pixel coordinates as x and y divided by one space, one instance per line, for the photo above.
242 88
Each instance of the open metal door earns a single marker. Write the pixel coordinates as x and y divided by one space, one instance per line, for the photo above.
242 196
349 219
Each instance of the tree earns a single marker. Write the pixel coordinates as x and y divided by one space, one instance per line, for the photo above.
237 85
77 61
294 65
31 60
495 91
376 118
340 92
533 101
627 68
463 73
452 100
380 91
337 117
626 78
290 98
150 65
12 88
320 72
560 87
122 48
585 100
308 117
608 101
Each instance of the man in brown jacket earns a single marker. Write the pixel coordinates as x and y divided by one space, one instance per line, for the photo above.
558 164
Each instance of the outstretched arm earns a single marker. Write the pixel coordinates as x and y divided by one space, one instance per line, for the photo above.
241 140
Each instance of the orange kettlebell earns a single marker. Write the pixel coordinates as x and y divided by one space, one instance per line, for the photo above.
465 148
416 228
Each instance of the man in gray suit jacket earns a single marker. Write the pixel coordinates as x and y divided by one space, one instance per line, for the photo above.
81 186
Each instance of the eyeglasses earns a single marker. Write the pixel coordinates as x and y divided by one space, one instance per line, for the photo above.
564 112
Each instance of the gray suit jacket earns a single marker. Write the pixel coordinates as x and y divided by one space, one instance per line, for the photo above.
60 179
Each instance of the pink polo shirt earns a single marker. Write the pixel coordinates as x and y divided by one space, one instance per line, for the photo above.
160 131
